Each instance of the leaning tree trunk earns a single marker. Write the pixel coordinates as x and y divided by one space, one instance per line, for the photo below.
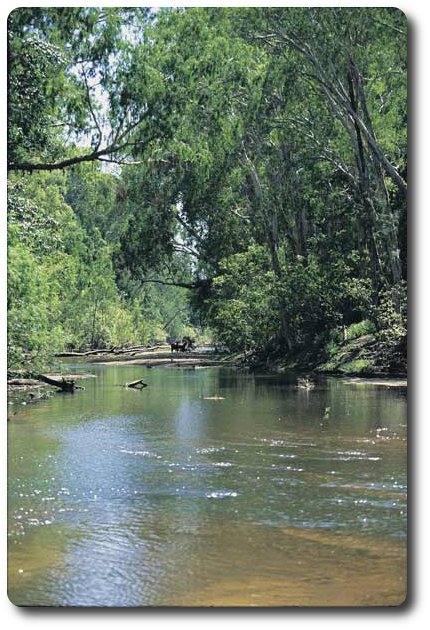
63 384
367 221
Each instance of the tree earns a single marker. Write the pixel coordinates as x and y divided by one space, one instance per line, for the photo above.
243 305
330 44
263 167
72 76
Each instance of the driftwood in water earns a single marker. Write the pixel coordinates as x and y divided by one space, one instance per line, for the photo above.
137 384
63 384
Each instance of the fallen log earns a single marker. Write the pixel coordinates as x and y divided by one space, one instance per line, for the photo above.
137 384
151 348
131 349
98 351
23 382
63 384
83 354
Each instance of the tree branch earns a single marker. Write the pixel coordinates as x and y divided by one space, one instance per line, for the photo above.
88 157
186 249
188 227
92 112
236 212
119 144
52 166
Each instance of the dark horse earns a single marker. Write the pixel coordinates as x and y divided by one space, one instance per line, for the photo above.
176 345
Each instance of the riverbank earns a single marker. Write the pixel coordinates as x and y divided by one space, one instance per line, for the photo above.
361 360
162 356
364 356
23 390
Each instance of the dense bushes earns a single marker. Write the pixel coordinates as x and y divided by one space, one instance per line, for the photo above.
62 288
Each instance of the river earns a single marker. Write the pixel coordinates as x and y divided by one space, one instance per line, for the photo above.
210 487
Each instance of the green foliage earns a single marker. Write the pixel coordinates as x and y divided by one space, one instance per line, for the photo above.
358 366
32 331
391 315
242 308
266 152
359 329
92 194
333 345
34 67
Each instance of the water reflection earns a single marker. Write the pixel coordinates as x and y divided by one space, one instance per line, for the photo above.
208 487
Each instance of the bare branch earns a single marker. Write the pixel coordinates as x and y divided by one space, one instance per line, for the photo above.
122 162
52 166
236 212
91 108
181 247
188 228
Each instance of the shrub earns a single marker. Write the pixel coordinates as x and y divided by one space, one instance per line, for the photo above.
358 366
365 327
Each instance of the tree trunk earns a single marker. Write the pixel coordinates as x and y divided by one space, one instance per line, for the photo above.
65 386
368 219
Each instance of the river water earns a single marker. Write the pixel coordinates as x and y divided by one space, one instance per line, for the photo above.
210 487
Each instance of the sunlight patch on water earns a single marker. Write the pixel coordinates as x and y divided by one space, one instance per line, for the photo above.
221 495
207 450
140 453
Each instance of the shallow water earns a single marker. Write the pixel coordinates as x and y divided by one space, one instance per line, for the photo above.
209 487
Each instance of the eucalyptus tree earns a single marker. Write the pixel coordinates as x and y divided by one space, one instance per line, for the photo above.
354 64
262 157
186 193
289 134
73 93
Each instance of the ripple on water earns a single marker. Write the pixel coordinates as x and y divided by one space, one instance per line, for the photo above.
349 457
221 494
207 450
140 453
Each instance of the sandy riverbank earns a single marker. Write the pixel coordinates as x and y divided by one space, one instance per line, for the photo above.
163 357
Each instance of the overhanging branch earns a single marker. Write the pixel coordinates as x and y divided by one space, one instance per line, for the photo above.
120 144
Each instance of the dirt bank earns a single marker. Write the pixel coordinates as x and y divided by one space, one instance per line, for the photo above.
364 356
163 357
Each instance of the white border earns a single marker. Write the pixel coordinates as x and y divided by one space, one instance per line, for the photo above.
419 218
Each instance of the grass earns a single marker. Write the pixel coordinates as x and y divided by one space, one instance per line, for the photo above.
357 366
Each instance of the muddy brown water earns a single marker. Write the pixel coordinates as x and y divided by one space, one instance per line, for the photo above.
210 487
